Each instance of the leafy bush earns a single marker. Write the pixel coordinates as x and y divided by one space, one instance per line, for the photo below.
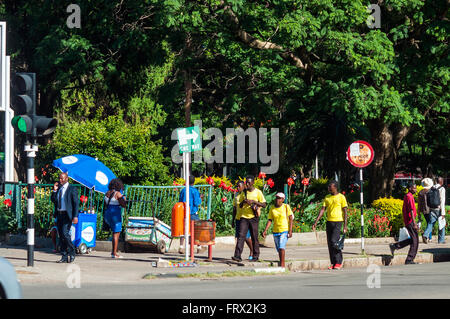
129 150
305 217
319 187
392 209
8 222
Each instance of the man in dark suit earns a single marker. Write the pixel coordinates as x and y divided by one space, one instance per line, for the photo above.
65 198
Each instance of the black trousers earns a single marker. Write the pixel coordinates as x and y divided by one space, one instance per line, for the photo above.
245 225
63 223
333 234
413 241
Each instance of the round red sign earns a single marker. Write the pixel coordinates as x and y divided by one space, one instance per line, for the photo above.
360 154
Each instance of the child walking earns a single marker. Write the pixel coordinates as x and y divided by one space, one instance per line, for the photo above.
282 217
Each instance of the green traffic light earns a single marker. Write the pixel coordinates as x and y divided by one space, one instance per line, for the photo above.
22 123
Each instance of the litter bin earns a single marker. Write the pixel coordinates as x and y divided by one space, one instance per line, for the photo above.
83 234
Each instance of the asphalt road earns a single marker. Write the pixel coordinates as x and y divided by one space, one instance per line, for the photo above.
413 281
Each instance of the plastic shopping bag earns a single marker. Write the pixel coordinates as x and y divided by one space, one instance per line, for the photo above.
442 222
403 235
339 245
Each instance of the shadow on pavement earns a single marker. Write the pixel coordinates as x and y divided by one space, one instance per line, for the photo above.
439 254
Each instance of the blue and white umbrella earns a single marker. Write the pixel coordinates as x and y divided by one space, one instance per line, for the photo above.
86 170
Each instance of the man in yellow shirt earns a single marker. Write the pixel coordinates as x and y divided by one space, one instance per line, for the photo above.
237 216
336 206
282 217
250 200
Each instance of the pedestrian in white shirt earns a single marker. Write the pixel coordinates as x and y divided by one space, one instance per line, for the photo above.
436 204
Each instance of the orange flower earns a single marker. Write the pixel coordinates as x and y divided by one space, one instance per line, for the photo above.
290 181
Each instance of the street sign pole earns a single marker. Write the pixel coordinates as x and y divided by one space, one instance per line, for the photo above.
362 209
189 140
360 154
186 156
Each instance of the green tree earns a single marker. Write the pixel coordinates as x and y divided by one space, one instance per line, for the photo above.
129 150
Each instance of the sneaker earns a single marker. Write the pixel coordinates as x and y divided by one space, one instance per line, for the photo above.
236 259
255 259
425 240
392 248
250 258
411 263
330 267
337 266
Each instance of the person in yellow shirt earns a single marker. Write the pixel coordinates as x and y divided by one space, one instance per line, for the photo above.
336 207
282 217
250 200
237 216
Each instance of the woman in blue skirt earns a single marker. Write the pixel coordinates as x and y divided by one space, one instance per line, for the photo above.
113 214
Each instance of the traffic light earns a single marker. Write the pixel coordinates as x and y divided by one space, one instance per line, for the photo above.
23 102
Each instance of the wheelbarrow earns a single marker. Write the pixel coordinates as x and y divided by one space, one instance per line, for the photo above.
148 231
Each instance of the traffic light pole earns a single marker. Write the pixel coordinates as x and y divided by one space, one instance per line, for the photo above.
31 154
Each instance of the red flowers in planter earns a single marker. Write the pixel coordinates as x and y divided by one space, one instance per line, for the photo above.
270 182
7 202
210 181
262 175
305 181
224 199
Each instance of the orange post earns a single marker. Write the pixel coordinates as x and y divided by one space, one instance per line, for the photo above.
177 227
209 252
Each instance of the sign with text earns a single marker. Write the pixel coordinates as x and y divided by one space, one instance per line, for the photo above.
360 154
189 139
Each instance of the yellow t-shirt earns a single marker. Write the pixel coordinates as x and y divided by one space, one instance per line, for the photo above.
279 218
236 204
334 205
246 210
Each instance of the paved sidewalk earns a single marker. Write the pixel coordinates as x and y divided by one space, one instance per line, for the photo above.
99 267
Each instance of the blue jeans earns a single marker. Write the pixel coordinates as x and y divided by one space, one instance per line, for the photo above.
280 240
431 219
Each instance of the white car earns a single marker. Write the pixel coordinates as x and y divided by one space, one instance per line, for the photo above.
9 285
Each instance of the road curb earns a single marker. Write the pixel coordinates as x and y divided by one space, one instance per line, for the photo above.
359 262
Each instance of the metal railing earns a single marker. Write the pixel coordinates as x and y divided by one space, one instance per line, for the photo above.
144 201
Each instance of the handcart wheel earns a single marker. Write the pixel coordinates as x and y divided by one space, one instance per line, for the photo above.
83 248
161 247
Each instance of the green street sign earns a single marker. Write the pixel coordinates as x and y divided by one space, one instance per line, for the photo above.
189 139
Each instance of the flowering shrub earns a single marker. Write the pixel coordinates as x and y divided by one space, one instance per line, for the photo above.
8 223
379 226
392 209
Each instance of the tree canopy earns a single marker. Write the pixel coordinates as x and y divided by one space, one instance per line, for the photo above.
313 69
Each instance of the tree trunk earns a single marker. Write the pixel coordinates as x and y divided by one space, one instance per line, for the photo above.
188 97
386 142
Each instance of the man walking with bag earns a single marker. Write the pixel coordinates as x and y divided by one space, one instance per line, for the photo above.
423 207
336 207
436 202
251 201
409 218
